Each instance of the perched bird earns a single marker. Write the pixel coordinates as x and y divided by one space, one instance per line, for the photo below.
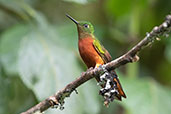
93 53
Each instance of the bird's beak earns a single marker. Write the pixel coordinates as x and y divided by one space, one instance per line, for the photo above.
72 19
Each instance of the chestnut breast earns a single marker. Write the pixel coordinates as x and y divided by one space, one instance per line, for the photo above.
88 53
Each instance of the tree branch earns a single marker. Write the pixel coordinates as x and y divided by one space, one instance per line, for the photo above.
130 56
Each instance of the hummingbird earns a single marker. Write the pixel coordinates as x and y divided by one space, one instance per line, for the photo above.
93 52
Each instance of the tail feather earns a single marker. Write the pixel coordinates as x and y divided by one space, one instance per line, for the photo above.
119 87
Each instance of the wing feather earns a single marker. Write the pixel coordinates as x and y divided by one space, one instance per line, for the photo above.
102 51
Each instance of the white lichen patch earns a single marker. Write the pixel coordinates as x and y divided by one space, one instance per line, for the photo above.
165 24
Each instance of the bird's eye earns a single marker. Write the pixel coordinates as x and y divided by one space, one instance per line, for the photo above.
86 25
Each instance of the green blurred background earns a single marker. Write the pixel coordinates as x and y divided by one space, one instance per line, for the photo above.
39 55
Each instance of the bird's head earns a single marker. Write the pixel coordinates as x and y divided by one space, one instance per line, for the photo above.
85 28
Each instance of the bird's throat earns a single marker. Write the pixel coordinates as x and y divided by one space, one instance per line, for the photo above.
82 35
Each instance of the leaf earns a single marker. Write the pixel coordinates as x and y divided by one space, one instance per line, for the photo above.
145 96
15 97
9 48
18 8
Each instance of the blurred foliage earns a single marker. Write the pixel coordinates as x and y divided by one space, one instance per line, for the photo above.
39 55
